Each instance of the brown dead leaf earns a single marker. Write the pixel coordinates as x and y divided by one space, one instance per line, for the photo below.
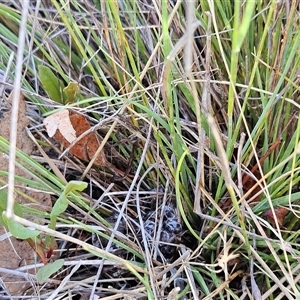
249 182
66 127
280 213
85 148
15 253
60 121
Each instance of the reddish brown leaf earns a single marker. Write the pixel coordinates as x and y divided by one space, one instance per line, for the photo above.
92 146
249 182
280 213
64 124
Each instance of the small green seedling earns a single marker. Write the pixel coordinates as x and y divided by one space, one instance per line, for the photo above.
52 85
61 205
3 205
55 87
46 271
44 248
72 91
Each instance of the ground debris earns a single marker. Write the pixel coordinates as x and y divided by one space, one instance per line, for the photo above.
16 253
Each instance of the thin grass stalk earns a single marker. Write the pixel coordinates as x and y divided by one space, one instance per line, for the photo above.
123 41
79 40
14 114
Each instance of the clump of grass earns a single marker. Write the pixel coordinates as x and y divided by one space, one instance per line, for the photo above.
190 98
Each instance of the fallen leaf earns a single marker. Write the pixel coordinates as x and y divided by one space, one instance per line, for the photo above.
91 148
249 182
16 253
68 127
60 121
280 213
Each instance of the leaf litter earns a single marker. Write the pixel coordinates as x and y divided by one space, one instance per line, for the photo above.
17 253
159 217
74 132
150 218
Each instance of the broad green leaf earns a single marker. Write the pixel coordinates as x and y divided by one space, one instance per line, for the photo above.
62 202
46 271
18 230
72 91
75 185
60 206
3 205
52 85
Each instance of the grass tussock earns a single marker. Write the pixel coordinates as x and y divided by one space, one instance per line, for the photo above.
197 104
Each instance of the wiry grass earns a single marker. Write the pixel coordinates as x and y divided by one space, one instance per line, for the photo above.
193 97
